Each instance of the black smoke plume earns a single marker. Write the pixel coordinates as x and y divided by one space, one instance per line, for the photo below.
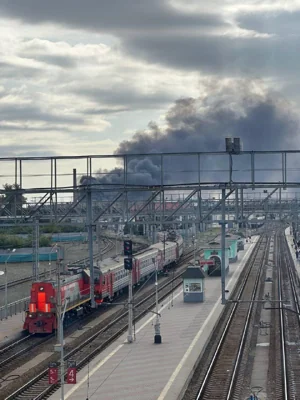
261 118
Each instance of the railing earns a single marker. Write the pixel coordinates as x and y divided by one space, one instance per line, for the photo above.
14 308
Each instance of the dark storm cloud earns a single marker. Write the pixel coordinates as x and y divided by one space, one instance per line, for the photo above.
262 121
279 23
109 16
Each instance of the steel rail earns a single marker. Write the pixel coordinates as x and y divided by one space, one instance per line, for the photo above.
285 254
6 348
228 324
282 333
43 375
246 327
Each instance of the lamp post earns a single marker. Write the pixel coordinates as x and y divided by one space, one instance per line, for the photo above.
4 273
194 242
6 281
157 336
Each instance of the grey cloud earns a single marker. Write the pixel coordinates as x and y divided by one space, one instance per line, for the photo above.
13 71
30 128
123 97
222 55
17 112
197 125
113 16
280 23
60 61
25 151
105 110
156 32
38 50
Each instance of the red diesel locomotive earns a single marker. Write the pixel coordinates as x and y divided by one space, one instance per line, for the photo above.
110 279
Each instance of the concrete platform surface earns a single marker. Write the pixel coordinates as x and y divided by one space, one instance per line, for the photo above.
11 327
145 371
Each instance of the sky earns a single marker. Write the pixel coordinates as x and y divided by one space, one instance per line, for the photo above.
104 77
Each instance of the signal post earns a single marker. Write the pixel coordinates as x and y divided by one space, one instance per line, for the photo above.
128 267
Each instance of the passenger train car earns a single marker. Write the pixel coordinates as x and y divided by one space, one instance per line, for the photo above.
109 281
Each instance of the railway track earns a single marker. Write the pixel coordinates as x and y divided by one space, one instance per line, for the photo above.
217 374
19 348
38 388
288 289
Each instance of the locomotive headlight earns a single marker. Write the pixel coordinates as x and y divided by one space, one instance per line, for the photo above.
41 289
31 315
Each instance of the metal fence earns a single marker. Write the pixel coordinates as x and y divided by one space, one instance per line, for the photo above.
14 308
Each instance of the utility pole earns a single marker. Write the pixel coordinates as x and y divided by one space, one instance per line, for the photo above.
60 319
98 234
242 207
6 291
237 207
35 250
280 209
128 267
223 267
90 242
130 313
194 242
6 282
157 336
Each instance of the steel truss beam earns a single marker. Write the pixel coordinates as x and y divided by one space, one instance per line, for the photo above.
183 203
197 180
153 196
263 201
38 206
108 207
215 207
72 207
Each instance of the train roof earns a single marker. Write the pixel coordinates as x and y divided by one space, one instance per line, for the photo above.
212 246
111 263
163 246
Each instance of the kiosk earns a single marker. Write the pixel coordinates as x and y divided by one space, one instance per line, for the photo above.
193 285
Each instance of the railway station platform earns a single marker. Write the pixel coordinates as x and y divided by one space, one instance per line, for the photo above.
289 238
146 371
11 328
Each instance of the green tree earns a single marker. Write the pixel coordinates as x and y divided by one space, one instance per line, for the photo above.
12 201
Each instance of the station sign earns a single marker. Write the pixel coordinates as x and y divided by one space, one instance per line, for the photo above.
71 372
52 374
207 262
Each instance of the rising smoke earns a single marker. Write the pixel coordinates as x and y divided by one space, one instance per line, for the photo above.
261 118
